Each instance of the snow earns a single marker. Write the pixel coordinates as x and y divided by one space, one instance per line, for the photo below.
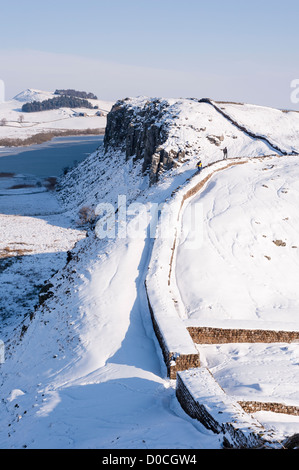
285 425
88 372
15 394
255 372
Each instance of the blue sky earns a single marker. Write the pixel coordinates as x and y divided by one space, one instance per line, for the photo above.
237 50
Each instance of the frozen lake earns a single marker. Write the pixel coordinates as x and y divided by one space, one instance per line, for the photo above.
50 158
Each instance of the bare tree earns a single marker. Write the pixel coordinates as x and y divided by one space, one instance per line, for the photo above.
3 122
21 118
86 216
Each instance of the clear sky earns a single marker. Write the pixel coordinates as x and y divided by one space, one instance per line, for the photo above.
224 49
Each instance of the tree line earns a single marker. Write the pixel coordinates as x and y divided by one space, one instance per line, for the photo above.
78 94
62 101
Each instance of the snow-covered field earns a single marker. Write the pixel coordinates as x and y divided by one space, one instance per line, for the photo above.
245 268
45 121
260 373
34 239
88 371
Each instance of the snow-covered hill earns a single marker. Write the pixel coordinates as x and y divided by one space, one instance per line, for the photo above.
85 369
30 95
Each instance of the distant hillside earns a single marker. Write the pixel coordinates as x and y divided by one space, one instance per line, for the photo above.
78 94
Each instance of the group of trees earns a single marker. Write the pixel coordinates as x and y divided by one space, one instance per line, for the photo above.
78 94
62 101
3 121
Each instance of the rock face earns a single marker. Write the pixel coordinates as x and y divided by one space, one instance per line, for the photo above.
140 127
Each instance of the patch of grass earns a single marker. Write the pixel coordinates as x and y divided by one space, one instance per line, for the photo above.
289 111
8 252
6 175
21 186
42 137
229 102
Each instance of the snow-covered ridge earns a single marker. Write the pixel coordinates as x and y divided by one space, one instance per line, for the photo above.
166 133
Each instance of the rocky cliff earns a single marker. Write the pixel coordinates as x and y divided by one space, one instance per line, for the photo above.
141 128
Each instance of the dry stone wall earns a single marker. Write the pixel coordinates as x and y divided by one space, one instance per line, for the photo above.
255 406
173 361
204 400
204 335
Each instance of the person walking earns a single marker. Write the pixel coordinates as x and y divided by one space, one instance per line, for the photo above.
225 153
199 166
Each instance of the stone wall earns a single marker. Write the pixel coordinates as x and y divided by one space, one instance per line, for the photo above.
204 400
194 409
255 406
174 362
203 335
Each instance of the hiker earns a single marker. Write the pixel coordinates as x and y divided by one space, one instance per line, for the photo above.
225 153
199 166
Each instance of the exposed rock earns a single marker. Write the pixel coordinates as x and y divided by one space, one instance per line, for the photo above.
140 130
279 243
